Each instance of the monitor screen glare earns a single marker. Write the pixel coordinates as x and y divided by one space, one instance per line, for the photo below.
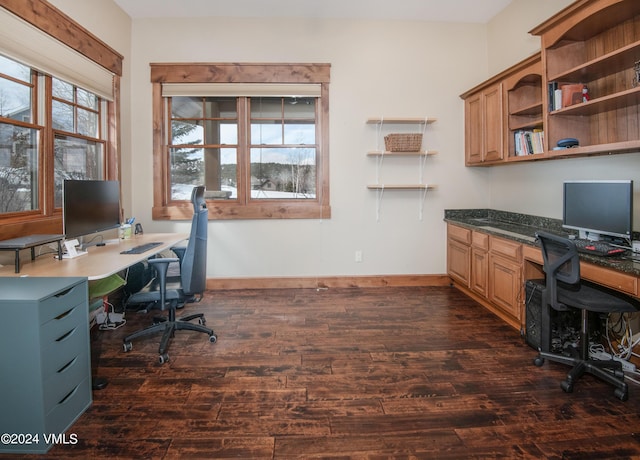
90 206
599 208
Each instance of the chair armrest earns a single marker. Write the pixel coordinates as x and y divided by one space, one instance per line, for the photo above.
161 264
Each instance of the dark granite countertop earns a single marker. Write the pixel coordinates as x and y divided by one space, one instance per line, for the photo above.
522 228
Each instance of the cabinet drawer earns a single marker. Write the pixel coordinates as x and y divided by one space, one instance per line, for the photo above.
58 303
65 412
619 281
459 234
480 240
61 383
63 339
506 248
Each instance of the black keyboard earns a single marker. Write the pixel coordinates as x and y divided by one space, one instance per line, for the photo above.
142 248
598 248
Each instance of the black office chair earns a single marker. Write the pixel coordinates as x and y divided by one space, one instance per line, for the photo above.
565 290
170 292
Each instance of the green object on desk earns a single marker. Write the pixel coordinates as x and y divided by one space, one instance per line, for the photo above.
105 286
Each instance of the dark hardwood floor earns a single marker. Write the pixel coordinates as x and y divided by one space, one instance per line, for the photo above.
345 373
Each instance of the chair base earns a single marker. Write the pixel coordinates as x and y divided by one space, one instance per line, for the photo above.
168 327
609 371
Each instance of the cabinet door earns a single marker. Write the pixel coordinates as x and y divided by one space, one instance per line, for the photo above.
473 129
458 261
479 271
504 284
493 123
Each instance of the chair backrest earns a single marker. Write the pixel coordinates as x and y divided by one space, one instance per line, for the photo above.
193 269
561 264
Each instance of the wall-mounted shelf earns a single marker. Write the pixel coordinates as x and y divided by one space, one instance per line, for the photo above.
380 154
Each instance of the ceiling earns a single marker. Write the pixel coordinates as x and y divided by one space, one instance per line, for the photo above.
470 11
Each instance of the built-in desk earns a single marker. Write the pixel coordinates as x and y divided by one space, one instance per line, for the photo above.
482 270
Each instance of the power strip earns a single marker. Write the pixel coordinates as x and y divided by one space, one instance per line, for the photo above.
604 356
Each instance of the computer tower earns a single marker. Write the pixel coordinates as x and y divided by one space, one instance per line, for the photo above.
533 312
564 325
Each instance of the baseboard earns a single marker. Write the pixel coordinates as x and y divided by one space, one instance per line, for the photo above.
325 282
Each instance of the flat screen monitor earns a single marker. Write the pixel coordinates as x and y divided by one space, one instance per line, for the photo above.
90 206
599 208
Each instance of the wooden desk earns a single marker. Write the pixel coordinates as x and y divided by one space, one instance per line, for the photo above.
620 281
100 261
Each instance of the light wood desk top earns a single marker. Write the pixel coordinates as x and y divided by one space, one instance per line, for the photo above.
100 261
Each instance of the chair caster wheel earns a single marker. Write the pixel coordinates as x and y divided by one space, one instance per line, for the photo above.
163 358
127 346
618 373
566 386
538 361
622 395
202 321
213 338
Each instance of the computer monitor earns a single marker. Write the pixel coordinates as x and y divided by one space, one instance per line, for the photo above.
90 206
599 209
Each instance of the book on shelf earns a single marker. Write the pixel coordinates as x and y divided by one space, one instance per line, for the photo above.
528 142
565 94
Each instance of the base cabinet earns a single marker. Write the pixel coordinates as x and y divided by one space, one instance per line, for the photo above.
489 268
46 363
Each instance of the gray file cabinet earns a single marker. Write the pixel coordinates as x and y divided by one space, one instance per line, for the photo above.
45 362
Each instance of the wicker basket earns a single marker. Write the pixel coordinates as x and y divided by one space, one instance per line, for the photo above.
403 142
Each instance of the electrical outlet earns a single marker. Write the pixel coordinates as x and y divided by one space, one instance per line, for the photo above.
359 256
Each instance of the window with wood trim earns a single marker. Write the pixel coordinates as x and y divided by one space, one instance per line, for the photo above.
72 119
259 144
59 113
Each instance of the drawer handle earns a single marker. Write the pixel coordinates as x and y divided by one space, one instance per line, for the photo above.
64 293
66 366
66 335
68 395
66 313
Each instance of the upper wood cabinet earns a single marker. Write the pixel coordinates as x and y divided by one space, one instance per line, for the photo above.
593 44
498 108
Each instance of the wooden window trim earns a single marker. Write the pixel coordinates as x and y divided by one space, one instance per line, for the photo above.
165 209
49 19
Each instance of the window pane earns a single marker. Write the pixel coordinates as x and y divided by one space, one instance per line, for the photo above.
266 107
186 107
18 168
221 107
62 115
218 132
283 173
62 90
228 172
87 99
76 159
15 100
187 132
300 133
88 123
300 108
266 133
186 171
15 69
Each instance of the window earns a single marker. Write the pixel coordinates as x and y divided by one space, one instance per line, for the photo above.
19 139
77 123
260 146
75 127
59 113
